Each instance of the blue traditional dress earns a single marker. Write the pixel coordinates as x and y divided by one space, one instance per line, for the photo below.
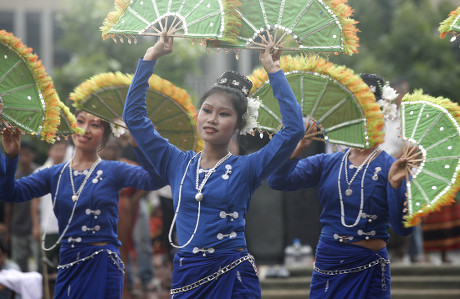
85 270
342 269
213 261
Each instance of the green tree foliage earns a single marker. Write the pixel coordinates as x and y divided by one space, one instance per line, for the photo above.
399 39
90 54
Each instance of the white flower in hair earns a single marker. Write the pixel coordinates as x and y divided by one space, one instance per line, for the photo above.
389 93
389 109
251 115
117 128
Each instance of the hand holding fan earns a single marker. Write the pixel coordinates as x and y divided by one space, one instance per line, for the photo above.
432 126
28 99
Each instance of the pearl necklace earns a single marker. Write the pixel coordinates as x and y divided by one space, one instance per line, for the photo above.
74 199
199 196
342 209
76 195
349 192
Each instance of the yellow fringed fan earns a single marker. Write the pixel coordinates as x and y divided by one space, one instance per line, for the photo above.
341 104
28 99
432 126
169 107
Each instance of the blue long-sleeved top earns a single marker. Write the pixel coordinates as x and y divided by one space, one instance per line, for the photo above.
219 227
96 213
381 202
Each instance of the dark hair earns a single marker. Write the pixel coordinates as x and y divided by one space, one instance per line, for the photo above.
107 130
236 87
376 81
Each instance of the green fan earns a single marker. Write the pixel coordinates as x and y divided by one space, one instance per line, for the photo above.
309 26
451 25
28 99
194 19
67 125
169 107
432 125
341 104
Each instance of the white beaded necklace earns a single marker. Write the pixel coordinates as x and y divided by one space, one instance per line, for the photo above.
342 209
349 192
75 197
199 196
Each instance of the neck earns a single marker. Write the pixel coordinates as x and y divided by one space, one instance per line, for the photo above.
362 152
358 156
83 160
212 153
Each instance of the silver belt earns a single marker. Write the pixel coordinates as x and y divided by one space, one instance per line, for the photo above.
112 255
216 274
382 261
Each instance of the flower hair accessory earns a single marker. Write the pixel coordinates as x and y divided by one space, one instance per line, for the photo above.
235 80
384 94
251 115
118 127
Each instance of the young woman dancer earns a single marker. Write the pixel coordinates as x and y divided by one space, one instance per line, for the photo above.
361 192
85 198
212 189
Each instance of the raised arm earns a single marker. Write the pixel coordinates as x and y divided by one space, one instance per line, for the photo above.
155 148
280 148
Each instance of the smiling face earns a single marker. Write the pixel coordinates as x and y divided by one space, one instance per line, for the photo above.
94 132
217 119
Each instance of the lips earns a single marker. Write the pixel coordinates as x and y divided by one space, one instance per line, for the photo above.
83 139
210 130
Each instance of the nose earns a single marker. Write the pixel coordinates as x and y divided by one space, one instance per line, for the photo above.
212 118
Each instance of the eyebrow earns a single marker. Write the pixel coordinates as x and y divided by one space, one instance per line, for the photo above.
226 108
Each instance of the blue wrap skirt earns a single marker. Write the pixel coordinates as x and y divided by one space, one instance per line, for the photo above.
88 271
350 271
226 275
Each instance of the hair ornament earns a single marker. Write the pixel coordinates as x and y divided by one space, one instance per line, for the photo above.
251 115
235 80
386 103
118 128
384 94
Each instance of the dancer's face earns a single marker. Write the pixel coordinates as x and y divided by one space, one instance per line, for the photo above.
94 131
217 119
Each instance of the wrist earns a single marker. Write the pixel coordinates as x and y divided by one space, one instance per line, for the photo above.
395 184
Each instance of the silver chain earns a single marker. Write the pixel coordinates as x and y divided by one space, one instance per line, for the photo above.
215 275
381 261
112 255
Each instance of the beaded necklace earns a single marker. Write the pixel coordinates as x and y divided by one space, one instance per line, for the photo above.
342 209
199 196
75 197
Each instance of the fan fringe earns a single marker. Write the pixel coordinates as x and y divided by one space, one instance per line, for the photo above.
445 26
100 81
342 74
344 13
449 197
44 83
112 17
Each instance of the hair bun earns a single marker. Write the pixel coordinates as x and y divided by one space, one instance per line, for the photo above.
235 80
375 83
